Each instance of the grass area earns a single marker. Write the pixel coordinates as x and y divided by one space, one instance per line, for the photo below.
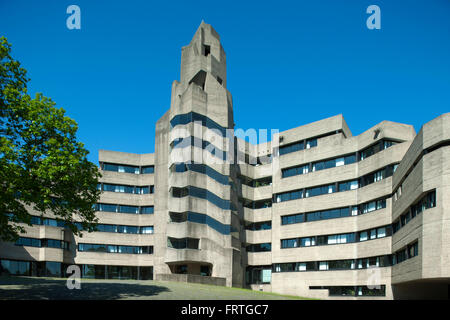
16 288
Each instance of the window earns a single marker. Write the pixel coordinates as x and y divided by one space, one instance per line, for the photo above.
147 210
323 265
289 172
373 234
115 248
147 169
128 209
307 242
258 275
107 207
146 230
363 236
289 243
120 168
317 191
29 242
22 268
401 255
381 232
291 148
311 143
260 247
296 218
348 185
413 250
265 225
180 192
426 202
291 195
118 188
183 243
206 50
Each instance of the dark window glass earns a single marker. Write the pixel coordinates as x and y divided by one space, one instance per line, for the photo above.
147 169
261 247
120 168
107 207
291 148
350 159
147 210
128 209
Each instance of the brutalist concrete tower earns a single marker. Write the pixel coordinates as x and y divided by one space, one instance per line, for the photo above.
193 172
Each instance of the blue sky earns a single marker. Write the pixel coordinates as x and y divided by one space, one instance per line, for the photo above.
289 62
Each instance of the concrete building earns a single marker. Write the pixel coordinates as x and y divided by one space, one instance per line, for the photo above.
317 212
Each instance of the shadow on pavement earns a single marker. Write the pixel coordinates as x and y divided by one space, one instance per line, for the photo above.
20 288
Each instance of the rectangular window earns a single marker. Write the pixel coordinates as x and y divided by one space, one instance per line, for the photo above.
107 207
307 242
323 265
363 236
413 250
291 148
381 232
128 209
147 210
340 162
147 169
373 234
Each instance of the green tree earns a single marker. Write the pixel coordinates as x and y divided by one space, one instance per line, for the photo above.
42 165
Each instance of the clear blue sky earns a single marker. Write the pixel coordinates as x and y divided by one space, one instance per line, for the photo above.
289 62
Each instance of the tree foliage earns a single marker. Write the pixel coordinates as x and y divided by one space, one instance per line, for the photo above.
43 168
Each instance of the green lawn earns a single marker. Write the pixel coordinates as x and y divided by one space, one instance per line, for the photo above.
54 288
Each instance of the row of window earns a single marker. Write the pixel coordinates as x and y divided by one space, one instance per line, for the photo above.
380 145
127 168
351 237
125 188
336 162
317 166
42 243
124 229
202 194
255 183
258 226
398 191
100 227
333 265
336 187
200 218
183 243
354 291
109 248
58 269
426 202
297 146
201 168
33 268
259 247
410 251
183 119
105 207
91 271
334 213
259 204
47 222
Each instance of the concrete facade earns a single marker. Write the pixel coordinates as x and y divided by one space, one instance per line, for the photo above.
317 212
